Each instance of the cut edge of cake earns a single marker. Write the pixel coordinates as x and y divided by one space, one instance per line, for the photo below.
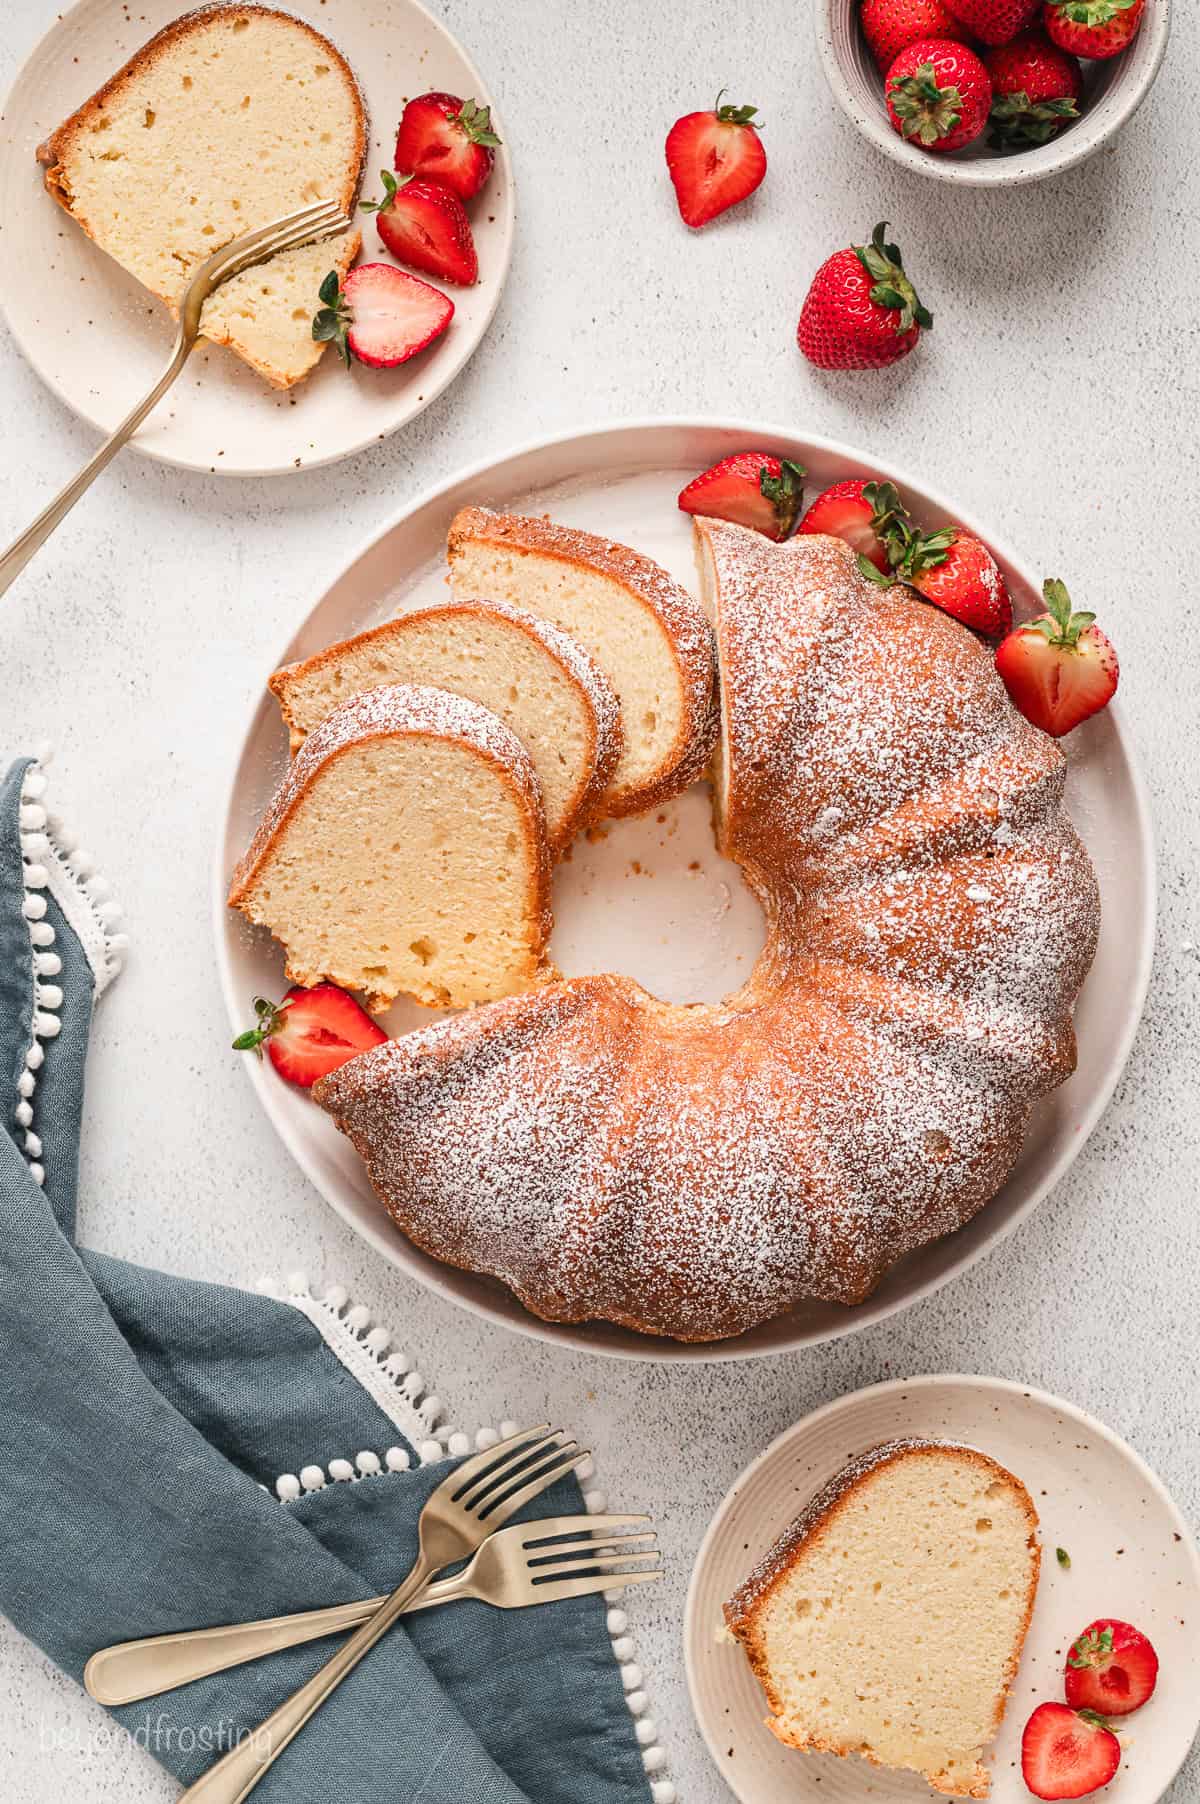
818 1519
677 618
572 664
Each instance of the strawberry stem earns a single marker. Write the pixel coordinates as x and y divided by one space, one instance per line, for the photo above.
1091 12
476 121
1015 119
1063 626
334 319
926 111
892 287
270 1021
785 491
391 187
736 115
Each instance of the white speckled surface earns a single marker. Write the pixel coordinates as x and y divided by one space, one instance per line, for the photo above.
1050 398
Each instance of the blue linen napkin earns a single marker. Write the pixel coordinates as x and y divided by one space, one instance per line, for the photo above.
142 1415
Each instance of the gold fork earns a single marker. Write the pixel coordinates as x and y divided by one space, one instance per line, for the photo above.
323 219
524 1564
473 1501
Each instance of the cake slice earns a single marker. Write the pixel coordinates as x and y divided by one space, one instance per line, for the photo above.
405 853
645 633
889 1620
532 676
227 119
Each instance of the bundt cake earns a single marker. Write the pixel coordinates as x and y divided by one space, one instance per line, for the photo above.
405 854
644 632
931 914
888 1621
534 677
230 117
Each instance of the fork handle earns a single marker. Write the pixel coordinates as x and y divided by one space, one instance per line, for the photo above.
34 537
237 1773
132 1670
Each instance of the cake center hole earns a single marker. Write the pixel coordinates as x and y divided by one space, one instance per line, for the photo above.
652 898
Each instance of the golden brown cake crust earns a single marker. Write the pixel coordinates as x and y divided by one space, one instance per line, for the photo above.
743 1611
931 914
684 625
573 662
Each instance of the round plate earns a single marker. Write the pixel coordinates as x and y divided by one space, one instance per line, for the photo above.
100 341
653 898
1132 1556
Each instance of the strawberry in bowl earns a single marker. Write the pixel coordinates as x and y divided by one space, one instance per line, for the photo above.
994 21
890 26
1093 28
939 94
1036 89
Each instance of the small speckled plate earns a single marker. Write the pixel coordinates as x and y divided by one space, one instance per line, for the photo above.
1131 1552
99 340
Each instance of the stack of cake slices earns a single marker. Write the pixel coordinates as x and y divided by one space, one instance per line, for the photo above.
443 761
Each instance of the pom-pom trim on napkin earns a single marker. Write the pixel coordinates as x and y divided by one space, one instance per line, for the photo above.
363 1346
51 863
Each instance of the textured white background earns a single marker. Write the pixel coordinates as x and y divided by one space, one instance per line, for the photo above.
1057 397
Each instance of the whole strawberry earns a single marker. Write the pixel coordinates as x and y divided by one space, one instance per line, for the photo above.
1036 87
1095 28
1059 668
861 311
994 21
938 94
715 159
950 568
864 511
890 26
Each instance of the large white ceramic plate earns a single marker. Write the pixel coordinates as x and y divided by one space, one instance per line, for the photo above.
1132 1557
653 898
100 341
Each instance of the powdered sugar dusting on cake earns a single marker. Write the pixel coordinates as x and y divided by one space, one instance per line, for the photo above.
931 914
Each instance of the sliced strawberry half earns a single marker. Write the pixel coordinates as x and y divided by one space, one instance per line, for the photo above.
425 225
381 315
751 488
1067 1754
310 1033
715 159
1059 668
449 139
1112 1668
863 511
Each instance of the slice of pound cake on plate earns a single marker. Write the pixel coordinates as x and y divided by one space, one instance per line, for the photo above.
646 634
532 676
888 1620
230 117
405 853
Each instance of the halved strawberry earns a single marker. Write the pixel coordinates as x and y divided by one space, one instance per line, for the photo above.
1111 1668
449 139
1065 1754
1059 668
425 225
952 569
751 488
310 1033
863 511
382 315
715 159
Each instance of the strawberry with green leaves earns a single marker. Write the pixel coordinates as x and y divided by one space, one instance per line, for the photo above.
861 311
449 139
950 568
863 511
425 225
310 1033
1036 89
380 315
715 159
751 488
1112 1668
1093 28
939 94
1060 668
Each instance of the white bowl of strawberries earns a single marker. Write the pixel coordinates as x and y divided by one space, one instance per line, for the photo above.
991 92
